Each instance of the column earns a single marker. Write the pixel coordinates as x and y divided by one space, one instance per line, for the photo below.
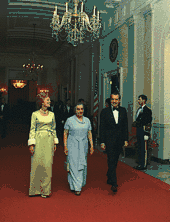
138 73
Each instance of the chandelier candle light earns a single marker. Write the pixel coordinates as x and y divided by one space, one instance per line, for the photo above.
76 24
32 68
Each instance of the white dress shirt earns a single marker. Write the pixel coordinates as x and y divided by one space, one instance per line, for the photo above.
2 107
68 108
140 110
116 115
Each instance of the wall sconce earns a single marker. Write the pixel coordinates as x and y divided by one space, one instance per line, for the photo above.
44 90
3 90
110 82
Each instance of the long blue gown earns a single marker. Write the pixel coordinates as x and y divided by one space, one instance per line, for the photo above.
77 144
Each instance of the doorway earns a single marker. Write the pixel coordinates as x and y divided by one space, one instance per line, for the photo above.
115 86
17 98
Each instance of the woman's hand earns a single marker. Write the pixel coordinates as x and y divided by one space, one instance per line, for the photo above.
31 148
91 150
65 150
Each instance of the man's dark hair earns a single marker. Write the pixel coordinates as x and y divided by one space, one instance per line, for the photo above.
81 100
143 97
115 93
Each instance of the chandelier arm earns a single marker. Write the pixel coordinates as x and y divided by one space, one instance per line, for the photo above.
63 22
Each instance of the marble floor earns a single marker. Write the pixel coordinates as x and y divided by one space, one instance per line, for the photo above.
155 169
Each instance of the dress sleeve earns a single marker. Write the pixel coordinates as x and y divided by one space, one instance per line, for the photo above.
31 140
67 125
89 125
56 141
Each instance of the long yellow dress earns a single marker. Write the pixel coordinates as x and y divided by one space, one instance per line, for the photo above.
43 135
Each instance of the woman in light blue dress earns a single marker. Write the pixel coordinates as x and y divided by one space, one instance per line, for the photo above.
77 131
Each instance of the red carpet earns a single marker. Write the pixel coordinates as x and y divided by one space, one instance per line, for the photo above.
140 197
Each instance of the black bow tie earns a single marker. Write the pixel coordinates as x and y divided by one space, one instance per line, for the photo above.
115 109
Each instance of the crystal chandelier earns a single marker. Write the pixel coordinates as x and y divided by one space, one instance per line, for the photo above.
31 67
76 24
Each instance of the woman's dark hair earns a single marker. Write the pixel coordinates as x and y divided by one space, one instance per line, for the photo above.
143 97
77 104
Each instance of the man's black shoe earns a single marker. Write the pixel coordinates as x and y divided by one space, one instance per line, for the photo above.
114 189
109 182
140 167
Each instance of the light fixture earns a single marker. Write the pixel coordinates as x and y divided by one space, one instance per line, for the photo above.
19 83
76 24
31 67
3 90
44 90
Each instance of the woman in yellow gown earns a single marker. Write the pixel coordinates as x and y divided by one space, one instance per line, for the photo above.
42 144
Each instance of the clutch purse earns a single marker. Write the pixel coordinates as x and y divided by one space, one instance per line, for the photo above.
66 165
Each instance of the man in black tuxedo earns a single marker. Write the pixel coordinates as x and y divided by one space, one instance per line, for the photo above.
143 120
52 106
4 116
113 135
60 119
68 110
107 104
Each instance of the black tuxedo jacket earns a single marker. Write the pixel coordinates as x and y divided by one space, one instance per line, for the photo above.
68 114
5 112
144 117
110 132
54 110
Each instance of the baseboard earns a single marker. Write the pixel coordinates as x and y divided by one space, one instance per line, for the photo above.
158 160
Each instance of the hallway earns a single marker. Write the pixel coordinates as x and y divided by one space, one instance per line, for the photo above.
155 169
139 197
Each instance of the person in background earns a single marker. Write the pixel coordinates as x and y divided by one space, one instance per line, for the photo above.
113 135
42 145
60 119
107 102
68 110
52 106
77 131
143 120
4 117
